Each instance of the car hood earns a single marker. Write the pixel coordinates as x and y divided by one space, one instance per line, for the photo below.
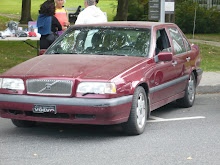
74 66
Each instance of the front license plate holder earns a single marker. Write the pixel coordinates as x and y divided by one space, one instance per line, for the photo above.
38 108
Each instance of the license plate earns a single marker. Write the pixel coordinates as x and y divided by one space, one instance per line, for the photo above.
44 109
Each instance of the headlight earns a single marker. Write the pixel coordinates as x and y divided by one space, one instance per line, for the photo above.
11 83
96 88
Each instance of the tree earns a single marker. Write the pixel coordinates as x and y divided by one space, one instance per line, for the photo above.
207 20
122 10
138 10
26 12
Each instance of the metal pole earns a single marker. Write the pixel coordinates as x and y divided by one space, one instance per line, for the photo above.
162 11
194 27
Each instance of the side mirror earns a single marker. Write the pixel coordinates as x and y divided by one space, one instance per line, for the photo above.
164 56
42 51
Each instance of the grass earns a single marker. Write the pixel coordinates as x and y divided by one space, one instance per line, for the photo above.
14 6
210 57
15 52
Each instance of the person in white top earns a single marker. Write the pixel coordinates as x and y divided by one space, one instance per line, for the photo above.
91 14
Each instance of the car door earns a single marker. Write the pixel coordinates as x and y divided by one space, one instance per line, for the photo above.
181 58
163 85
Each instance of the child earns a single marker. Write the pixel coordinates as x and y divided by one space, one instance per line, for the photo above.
61 15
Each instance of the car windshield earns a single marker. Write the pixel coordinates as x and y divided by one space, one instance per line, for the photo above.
103 41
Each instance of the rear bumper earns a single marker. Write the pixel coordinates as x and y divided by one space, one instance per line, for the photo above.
69 110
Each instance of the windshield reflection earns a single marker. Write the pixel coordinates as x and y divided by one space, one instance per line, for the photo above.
103 41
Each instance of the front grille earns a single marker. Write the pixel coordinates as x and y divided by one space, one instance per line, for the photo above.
49 87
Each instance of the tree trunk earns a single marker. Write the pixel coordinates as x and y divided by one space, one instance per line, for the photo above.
122 10
26 12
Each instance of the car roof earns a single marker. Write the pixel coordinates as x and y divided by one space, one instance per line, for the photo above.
128 24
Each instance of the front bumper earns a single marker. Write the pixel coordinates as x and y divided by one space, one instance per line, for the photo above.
198 76
69 110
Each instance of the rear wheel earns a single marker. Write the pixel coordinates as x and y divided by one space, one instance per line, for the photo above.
23 123
139 112
190 92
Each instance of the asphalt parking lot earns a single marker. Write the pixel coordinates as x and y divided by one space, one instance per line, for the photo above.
173 136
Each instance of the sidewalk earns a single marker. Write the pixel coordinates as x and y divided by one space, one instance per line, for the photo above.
210 83
213 43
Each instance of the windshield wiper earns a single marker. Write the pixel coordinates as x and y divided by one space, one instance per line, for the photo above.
11 90
87 93
110 54
97 53
64 53
118 54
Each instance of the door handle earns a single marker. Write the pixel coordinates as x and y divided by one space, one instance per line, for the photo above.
174 63
187 59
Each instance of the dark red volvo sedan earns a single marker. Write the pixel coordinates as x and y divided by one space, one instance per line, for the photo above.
111 73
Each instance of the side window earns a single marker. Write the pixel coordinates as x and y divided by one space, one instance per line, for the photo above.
162 43
187 44
177 39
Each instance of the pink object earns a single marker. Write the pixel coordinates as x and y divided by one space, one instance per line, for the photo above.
32 34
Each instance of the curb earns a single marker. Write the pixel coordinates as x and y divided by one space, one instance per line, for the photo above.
208 89
210 83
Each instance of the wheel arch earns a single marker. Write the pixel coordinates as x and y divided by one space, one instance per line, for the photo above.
193 70
145 86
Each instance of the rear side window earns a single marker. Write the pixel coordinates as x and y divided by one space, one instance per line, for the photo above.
188 47
177 39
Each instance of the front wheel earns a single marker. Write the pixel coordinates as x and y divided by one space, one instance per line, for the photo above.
138 115
23 123
190 92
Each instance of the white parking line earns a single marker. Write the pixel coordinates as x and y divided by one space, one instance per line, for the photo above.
157 119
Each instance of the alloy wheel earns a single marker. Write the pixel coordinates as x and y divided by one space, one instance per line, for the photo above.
141 111
191 89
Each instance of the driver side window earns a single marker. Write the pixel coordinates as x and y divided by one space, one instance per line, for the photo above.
162 42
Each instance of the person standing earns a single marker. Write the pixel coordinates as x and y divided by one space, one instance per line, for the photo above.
61 15
47 23
91 14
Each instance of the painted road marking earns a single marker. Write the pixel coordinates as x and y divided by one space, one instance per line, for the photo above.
158 119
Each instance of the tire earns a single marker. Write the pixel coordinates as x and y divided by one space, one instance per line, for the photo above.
190 93
138 115
23 123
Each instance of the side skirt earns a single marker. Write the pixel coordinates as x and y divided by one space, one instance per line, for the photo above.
166 101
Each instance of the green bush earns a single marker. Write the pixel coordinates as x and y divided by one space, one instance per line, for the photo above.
137 11
207 20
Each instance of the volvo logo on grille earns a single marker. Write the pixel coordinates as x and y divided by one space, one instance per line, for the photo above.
48 86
